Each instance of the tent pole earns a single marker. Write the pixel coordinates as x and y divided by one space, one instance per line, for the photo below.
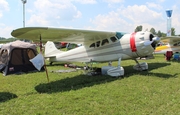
44 59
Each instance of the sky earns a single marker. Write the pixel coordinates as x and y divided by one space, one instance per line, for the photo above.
105 15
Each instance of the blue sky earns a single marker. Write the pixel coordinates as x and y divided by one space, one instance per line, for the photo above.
109 15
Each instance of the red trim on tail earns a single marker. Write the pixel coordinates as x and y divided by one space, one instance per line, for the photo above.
132 42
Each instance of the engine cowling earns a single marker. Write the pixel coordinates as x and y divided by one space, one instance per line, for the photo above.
143 43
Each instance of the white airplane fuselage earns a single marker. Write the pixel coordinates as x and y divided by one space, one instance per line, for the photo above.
129 46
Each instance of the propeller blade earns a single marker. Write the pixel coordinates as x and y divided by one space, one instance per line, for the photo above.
146 43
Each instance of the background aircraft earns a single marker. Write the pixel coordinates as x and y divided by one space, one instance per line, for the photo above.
97 46
171 43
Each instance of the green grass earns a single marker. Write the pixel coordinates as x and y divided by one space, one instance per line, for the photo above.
155 91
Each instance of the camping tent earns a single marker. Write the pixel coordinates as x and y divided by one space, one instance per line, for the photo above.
15 57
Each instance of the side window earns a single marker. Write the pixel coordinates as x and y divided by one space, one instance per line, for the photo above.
113 39
97 43
92 45
175 44
178 43
104 42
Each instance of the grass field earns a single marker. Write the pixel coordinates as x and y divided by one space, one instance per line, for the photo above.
156 91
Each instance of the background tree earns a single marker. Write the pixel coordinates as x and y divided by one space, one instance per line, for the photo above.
159 34
163 34
152 30
138 28
173 31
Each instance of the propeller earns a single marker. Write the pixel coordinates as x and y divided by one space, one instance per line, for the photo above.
153 41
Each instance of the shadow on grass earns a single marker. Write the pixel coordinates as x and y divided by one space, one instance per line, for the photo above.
173 60
73 83
82 81
151 66
54 64
5 96
157 65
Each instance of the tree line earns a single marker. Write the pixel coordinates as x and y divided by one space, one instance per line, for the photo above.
4 40
158 33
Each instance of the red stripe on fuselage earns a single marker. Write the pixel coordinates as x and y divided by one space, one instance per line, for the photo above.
132 42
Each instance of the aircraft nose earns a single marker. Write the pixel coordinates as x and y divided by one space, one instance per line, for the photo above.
155 40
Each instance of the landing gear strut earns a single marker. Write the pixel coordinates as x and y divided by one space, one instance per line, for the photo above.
140 66
116 71
50 63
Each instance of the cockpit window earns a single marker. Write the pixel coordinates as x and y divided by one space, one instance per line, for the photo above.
113 39
92 45
97 43
176 44
119 35
104 42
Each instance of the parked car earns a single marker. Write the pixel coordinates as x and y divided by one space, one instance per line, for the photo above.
70 46
60 44
63 44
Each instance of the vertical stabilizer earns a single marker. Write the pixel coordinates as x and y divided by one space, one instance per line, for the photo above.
51 50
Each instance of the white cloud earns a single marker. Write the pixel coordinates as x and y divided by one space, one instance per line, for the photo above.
140 14
86 1
49 12
5 31
38 19
4 7
162 0
175 20
120 18
112 22
114 1
154 5
128 18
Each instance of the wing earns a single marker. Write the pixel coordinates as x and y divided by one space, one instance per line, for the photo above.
61 34
171 39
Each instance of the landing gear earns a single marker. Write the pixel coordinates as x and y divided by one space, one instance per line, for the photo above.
50 63
116 71
89 70
140 66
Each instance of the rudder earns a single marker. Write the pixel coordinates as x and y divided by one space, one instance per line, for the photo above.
50 49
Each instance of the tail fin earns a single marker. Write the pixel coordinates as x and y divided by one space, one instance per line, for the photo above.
51 50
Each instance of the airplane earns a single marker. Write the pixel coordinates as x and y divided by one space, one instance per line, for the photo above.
171 43
97 46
